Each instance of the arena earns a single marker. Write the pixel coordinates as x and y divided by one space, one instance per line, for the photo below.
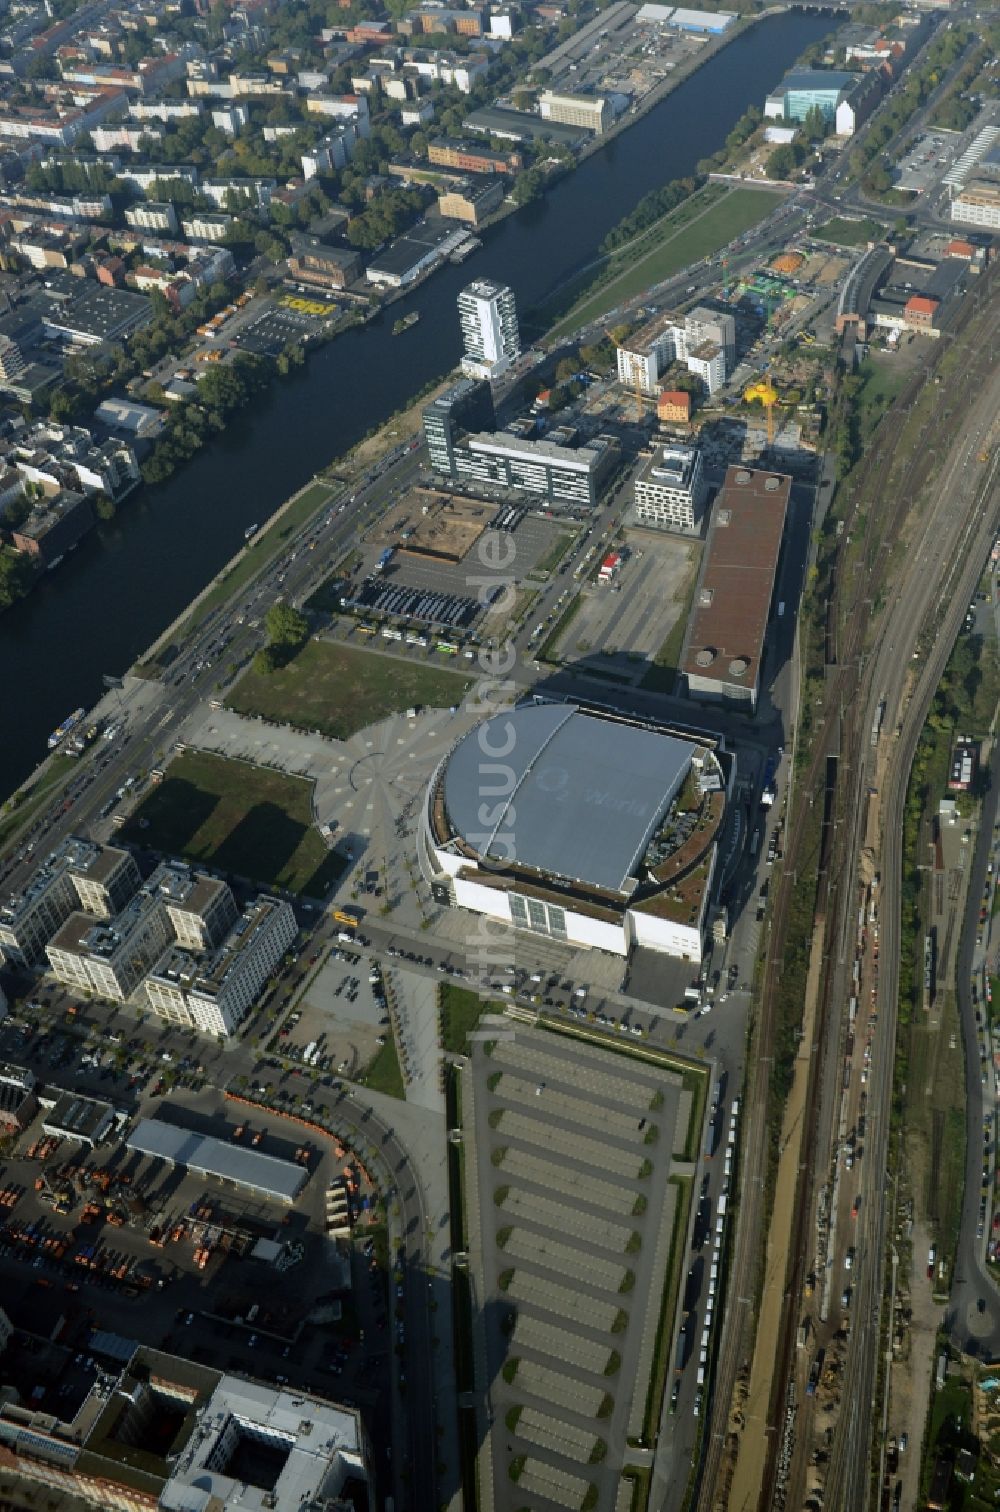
582 826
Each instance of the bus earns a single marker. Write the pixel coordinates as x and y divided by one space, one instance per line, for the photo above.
347 913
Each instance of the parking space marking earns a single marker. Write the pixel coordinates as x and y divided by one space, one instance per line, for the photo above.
580 1265
556 1216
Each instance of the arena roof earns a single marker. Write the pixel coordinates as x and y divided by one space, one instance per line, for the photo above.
565 792
280 1180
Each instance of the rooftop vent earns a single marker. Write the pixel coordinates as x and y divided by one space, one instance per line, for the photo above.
739 666
772 484
706 656
743 476
723 517
705 597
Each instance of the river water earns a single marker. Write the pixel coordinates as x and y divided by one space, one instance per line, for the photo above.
126 583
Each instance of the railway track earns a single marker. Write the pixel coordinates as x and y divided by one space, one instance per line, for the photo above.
851 623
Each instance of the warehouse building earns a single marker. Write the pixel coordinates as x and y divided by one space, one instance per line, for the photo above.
670 489
234 1165
18 1103
84 1120
604 832
724 646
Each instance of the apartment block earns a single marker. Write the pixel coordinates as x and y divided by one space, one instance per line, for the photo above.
214 991
110 957
79 875
201 909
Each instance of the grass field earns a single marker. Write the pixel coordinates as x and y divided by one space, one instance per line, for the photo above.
676 241
881 381
849 233
237 818
461 1011
33 797
384 1074
338 690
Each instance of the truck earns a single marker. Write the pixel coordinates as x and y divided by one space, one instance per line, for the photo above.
680 1354
768 790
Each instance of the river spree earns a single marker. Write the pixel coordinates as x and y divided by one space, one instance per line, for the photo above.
121 588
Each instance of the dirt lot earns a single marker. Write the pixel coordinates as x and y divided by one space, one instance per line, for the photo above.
445 525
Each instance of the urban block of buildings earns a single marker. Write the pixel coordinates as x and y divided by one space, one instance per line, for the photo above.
977 204
178 1436
615 840
177 941
705 341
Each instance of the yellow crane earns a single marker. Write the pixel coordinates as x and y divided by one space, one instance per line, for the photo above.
633 364
766 394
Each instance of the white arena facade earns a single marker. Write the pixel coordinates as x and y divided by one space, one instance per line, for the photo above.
582 826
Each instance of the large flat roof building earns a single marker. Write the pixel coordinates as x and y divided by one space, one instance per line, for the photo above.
234 1165
805 88
605 836
724 645
561 474
978 204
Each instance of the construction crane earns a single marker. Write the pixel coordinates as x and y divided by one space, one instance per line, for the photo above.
633 364
766 394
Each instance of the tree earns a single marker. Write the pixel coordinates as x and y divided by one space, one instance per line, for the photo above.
16 576
287 629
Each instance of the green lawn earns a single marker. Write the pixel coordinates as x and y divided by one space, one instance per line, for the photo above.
678 241
238 818
461 1011
384 1074
881 380
338 690
31 798
550 561
849 233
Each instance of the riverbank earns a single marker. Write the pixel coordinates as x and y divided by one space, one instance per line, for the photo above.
114 599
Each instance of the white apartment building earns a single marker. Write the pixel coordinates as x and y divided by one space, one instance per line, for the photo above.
110 957
153 215
201 909
705 342
79 875
978 204
207 226
708 362
670 490
592 112
488 316
214 991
